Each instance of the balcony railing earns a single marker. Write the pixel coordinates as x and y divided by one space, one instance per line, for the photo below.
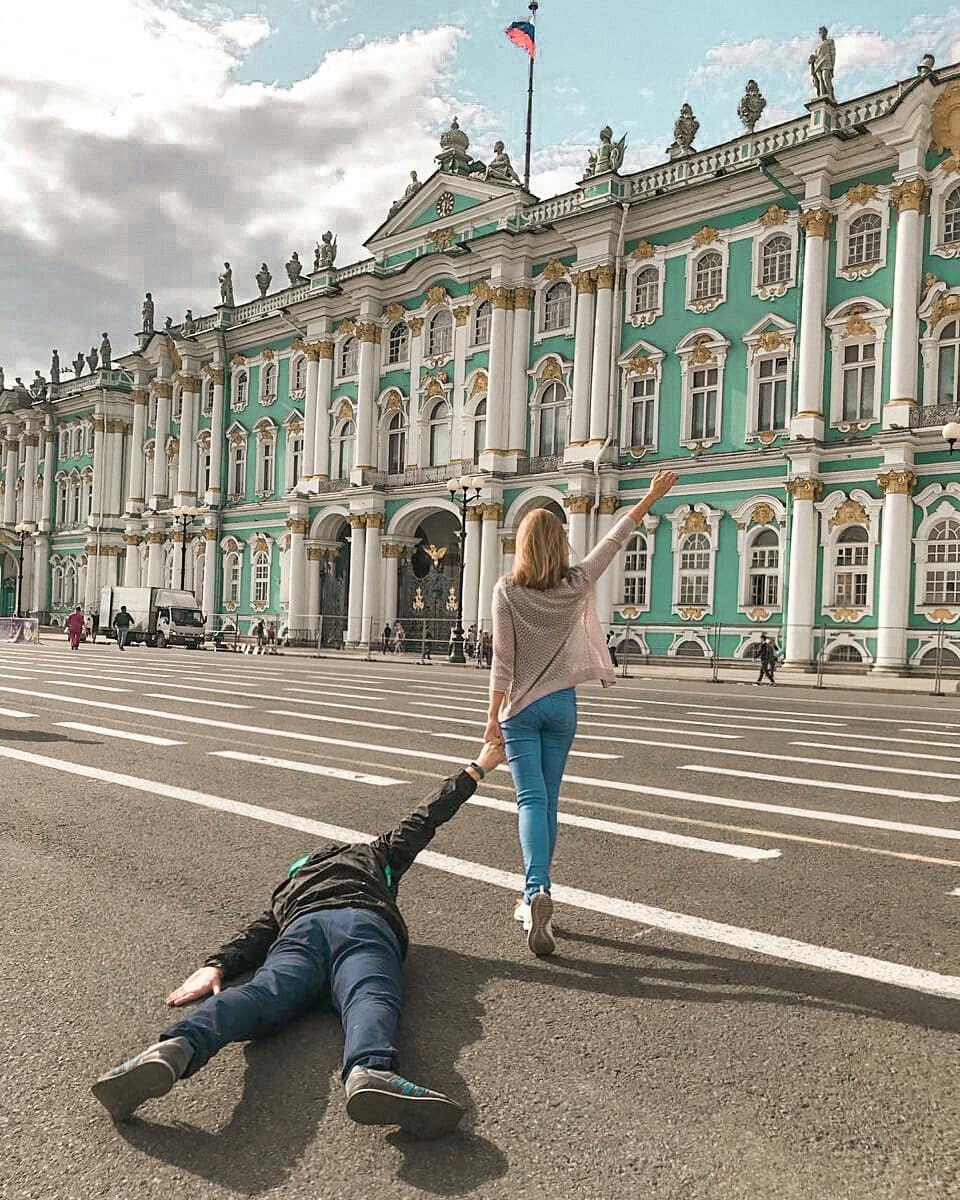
540 464
415 475
930 416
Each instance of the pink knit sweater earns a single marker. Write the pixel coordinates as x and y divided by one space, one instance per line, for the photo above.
546 641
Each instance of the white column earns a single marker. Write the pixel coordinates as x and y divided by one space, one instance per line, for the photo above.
390 554
10 479
215 494
803 572
416 354
368 335
91 582
896 544
471 567
489 562
578 518
136 497
461 447
585 283
30 479
163 390
371 577
808 420
211 564
321 453
297 572
46 494
517 423
41 573
131 562
314 566
358 546
497 376
307 468
155 540
508 548
186 471
600 378
116 431
905 324
603 592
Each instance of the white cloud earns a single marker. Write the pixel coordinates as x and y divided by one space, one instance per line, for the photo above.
558 168
330 13
134 160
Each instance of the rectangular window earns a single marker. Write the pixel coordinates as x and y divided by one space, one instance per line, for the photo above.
641 411
947 376
851 580
703 408
943 587
858 382
694 589
772 395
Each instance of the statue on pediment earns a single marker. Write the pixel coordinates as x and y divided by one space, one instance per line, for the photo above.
822 62
78 364
146 314
38 387
499 168
189 327
751 106
411 190
294 268
608 156
325 253
54 369
685 129
93 359
106 352
264 279
225 280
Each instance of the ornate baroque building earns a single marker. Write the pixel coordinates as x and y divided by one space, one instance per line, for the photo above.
776 318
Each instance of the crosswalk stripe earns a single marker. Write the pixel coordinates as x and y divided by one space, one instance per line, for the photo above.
194 700
13 712
751 940
125 734
288 764
94 687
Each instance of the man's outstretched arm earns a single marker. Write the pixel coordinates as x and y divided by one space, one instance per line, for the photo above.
404 843
244 952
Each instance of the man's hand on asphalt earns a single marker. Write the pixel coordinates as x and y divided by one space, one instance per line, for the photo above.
204 982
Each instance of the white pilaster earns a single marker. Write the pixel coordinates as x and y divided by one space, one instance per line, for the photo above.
390 554
136 497
803 574
358 546
30 478
156 536
907 197
314 566
10 479
372 578
497 379
131 561
582 360
164 391
603 592
578 518
519 358
600 377
471 567
44 516
214 494
896 544
298 524
368 335
41 573
807 422
309 458
186 472
489 562
321 453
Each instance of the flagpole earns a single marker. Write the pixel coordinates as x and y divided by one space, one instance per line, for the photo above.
526 160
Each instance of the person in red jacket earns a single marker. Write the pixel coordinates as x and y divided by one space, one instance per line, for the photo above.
333 929
75 626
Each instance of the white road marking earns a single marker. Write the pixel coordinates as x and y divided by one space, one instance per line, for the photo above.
13 712
955 892
747 853
926 756
95 687
125 734
348 720
753 941
819 783
871 766
193 700
288 764
459 737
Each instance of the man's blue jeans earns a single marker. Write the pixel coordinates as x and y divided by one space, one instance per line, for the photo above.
349 957
537 741
123 632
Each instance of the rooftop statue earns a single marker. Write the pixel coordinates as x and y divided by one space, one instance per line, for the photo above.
500 169
23 395
92 359
264 279
146 314
78 364
1 380
411 189
168 326
54 369
822 62
325 252
608 156
751 106
685 129
106 353
38 387
294 269
454 138
189 324
225 280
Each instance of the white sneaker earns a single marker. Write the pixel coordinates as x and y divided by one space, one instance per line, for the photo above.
521 912
540 937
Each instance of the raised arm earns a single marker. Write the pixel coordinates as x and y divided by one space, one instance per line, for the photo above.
605 551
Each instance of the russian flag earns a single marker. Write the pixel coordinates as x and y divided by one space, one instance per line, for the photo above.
521 33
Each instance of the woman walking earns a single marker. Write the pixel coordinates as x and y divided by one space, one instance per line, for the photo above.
546 640
75 627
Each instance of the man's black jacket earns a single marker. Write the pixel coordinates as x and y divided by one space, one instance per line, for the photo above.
359 875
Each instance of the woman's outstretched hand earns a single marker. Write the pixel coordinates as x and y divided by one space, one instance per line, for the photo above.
661 484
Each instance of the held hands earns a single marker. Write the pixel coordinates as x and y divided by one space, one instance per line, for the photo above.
492 755
661 484
205 982
492 734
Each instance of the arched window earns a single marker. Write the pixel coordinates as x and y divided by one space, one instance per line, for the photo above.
344 442
948 356
554 419
261 578
203 465
851 565
863 240
635 571
764 570
171 565
69 584
348 357
951 217
240 391
556 306
479 429
398 344
845 654
440 338
689 649
63 443
87 502
942 583
76 499
708 276
76 441
438 424
775 261
231 577
62 500
694 572
56 585
299 373
646 290
481 323
152 401
206 405
269 385
396 445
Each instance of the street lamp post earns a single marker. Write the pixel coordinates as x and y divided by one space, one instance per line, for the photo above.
182 517
951 434
21 530
469 488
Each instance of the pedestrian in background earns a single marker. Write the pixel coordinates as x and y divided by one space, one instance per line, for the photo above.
612 649
385 644
768 658
546 640
399 637
121 623
272 638
260 634
75 626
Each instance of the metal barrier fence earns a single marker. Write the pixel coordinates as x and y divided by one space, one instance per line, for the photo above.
19 631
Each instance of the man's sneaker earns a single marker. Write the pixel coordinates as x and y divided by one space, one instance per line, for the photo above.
384 1098
540 935
521 912
143 1077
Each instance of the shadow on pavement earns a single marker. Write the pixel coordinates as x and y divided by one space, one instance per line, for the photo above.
43 735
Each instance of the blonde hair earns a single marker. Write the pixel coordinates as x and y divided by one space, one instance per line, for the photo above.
542 554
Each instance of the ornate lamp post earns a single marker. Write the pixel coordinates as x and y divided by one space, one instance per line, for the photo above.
951 433
182 517
21 530
467 488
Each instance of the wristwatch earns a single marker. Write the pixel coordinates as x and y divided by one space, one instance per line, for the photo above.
479 770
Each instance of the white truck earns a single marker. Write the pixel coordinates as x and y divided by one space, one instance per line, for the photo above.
161 616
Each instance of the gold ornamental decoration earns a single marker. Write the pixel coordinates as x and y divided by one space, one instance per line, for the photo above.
815 222
554 270
860 193
394 311
945 125
481 290
215 374
138 396
643 249
897 483
605 275
161 388
451 604
762 514
294 427
691 614
297 524
492 512
705 236
942 614
804 489
551 370
345 411
460 314
368 331
393 400
434 388
523 298
857 325
416 325
847 614
608 505
695 522
578 504
436 554
501 297
909 195
642 364
850 512
345 326
440 239
418 604
774 216
238 361
373 520
510 545
701 354
768 341
267 355
438 295
758 614
585 282
479 387
945 306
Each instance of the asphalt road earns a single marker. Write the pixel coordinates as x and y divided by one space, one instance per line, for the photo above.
757 987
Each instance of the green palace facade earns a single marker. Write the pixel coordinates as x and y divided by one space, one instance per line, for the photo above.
776 318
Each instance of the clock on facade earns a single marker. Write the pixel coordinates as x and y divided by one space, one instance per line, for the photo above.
445 204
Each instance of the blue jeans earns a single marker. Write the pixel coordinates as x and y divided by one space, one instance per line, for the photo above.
537 741
348 956
123 632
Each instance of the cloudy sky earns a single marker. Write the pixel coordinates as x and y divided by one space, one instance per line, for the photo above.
145 141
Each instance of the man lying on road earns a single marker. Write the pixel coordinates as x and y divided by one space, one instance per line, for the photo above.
333 932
